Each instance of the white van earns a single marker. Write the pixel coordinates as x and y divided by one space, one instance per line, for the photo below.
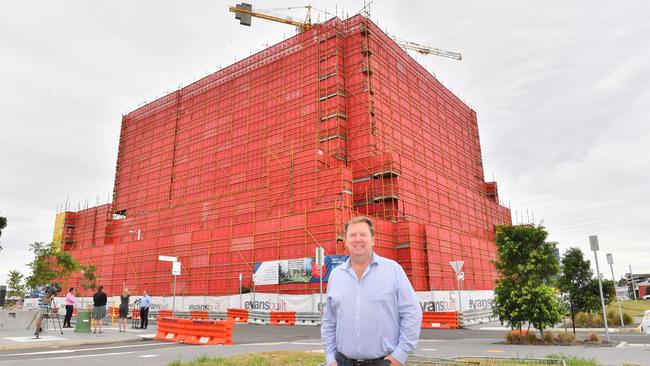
645 323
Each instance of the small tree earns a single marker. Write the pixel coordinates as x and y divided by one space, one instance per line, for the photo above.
49 264
3 224
526 265
575 281
15 284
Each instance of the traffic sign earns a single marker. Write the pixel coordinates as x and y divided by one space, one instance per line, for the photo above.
461 276
320 255
176 268
457 265
167 258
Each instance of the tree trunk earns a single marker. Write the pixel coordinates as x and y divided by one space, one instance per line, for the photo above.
573 318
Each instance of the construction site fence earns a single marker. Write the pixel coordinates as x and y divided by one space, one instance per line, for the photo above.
476 316
260 317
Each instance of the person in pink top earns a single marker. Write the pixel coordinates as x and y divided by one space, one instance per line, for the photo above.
69 306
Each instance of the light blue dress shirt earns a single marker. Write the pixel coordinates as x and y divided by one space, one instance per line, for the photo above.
145 302
372 318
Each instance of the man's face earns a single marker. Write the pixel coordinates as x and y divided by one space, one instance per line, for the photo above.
358 240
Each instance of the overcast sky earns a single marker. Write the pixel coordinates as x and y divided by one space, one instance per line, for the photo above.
561 89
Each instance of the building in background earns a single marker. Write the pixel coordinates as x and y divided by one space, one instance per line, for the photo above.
266 159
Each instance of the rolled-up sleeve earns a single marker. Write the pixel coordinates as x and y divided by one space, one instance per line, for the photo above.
328 328
410 318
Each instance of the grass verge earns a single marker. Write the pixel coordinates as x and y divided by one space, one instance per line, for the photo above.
576 361
281 358
632 307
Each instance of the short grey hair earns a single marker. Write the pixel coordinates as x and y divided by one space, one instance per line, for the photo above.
358 219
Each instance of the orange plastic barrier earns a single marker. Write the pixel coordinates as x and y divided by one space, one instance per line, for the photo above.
201 331
199 314
283 317
164 314
440 319
171 329
196 331
238 315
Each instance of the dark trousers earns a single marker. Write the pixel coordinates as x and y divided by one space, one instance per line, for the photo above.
68 316
144 317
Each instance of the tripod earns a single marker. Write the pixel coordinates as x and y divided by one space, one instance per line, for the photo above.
48 315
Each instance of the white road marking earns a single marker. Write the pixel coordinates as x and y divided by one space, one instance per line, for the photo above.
40 353
128 346
307 343
428 349
91 349
78 356
148 356
640 345
263 344
32 339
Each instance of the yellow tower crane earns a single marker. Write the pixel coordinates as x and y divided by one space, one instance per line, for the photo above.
244 13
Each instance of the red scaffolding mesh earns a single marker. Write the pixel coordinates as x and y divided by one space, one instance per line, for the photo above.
269 157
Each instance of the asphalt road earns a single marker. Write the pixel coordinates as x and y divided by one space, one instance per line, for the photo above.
251 338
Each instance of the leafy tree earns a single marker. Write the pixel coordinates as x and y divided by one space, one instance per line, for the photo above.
578 282
3 224
526 265
49 264
89 279
575 281
15 284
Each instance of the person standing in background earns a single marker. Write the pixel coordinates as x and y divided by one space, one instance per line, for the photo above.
69 307
124 309
99 309
144 310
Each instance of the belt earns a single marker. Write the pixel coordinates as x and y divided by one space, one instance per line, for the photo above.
352 362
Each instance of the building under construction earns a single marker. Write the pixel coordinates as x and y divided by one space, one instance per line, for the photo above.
267 158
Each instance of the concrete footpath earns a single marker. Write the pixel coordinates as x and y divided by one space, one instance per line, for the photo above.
25 339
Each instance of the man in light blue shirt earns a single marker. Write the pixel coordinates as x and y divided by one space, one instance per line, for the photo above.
371 310
145 302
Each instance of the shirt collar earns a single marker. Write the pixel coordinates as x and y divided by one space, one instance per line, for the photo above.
375 259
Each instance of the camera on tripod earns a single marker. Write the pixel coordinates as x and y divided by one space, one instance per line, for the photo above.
51 289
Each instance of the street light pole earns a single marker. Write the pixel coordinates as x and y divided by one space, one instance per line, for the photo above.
593 241
610 261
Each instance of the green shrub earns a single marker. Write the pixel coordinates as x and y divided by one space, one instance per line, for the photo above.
565 338
596 320
547 337
512 338
582 320
530 338
627 318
